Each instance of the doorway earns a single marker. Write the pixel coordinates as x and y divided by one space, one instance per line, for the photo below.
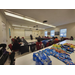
4 33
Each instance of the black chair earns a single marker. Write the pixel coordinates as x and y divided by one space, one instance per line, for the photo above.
3 57
32 47
24 48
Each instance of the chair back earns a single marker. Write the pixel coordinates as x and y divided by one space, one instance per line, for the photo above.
48 43
38 45
10 46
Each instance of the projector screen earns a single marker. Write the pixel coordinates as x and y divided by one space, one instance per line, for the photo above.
28 33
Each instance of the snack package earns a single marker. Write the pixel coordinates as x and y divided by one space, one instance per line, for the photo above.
68 62
35 56
47 51
41 58
57 55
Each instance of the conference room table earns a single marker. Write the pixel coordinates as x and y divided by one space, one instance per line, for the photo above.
28 59
24 46
43 38
32 44
27 46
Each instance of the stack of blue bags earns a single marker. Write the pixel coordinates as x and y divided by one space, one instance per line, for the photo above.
42 58
45 42
61 56
67 49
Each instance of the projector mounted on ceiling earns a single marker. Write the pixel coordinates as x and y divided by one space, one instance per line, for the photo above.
44 21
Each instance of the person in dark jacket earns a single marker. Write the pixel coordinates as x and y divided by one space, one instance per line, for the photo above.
39 37
71 38
31 37
14 37
39 44
15 47
62 39
18 39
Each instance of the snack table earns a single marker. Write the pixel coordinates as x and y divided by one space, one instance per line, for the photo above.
28 59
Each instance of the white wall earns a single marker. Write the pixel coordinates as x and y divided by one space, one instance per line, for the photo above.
8 25
70 29
21 33
7 32
18 32
37 33
0 30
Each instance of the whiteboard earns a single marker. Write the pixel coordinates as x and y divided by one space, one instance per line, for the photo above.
28 33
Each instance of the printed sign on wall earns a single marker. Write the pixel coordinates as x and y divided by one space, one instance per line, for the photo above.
9 33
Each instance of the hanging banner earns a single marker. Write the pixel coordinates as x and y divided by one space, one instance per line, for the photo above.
9 33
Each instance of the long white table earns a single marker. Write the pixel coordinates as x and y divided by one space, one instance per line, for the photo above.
28 59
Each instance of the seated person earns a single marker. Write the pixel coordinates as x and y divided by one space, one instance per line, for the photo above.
45 37
16 46
39 37
12 40
14 37
39 44
62 39
49 43
53 39
22 39
18 39
56 39
71 38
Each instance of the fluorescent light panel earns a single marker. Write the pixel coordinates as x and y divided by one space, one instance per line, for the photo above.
26 27
13 15
16 25
16 28
19 26
23 18
29 20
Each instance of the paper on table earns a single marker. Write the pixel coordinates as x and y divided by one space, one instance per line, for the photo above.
8 50
22 44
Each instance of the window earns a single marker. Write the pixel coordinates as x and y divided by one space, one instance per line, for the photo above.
63 32
45 33
52 33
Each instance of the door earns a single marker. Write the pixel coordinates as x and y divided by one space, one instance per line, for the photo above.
4 33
